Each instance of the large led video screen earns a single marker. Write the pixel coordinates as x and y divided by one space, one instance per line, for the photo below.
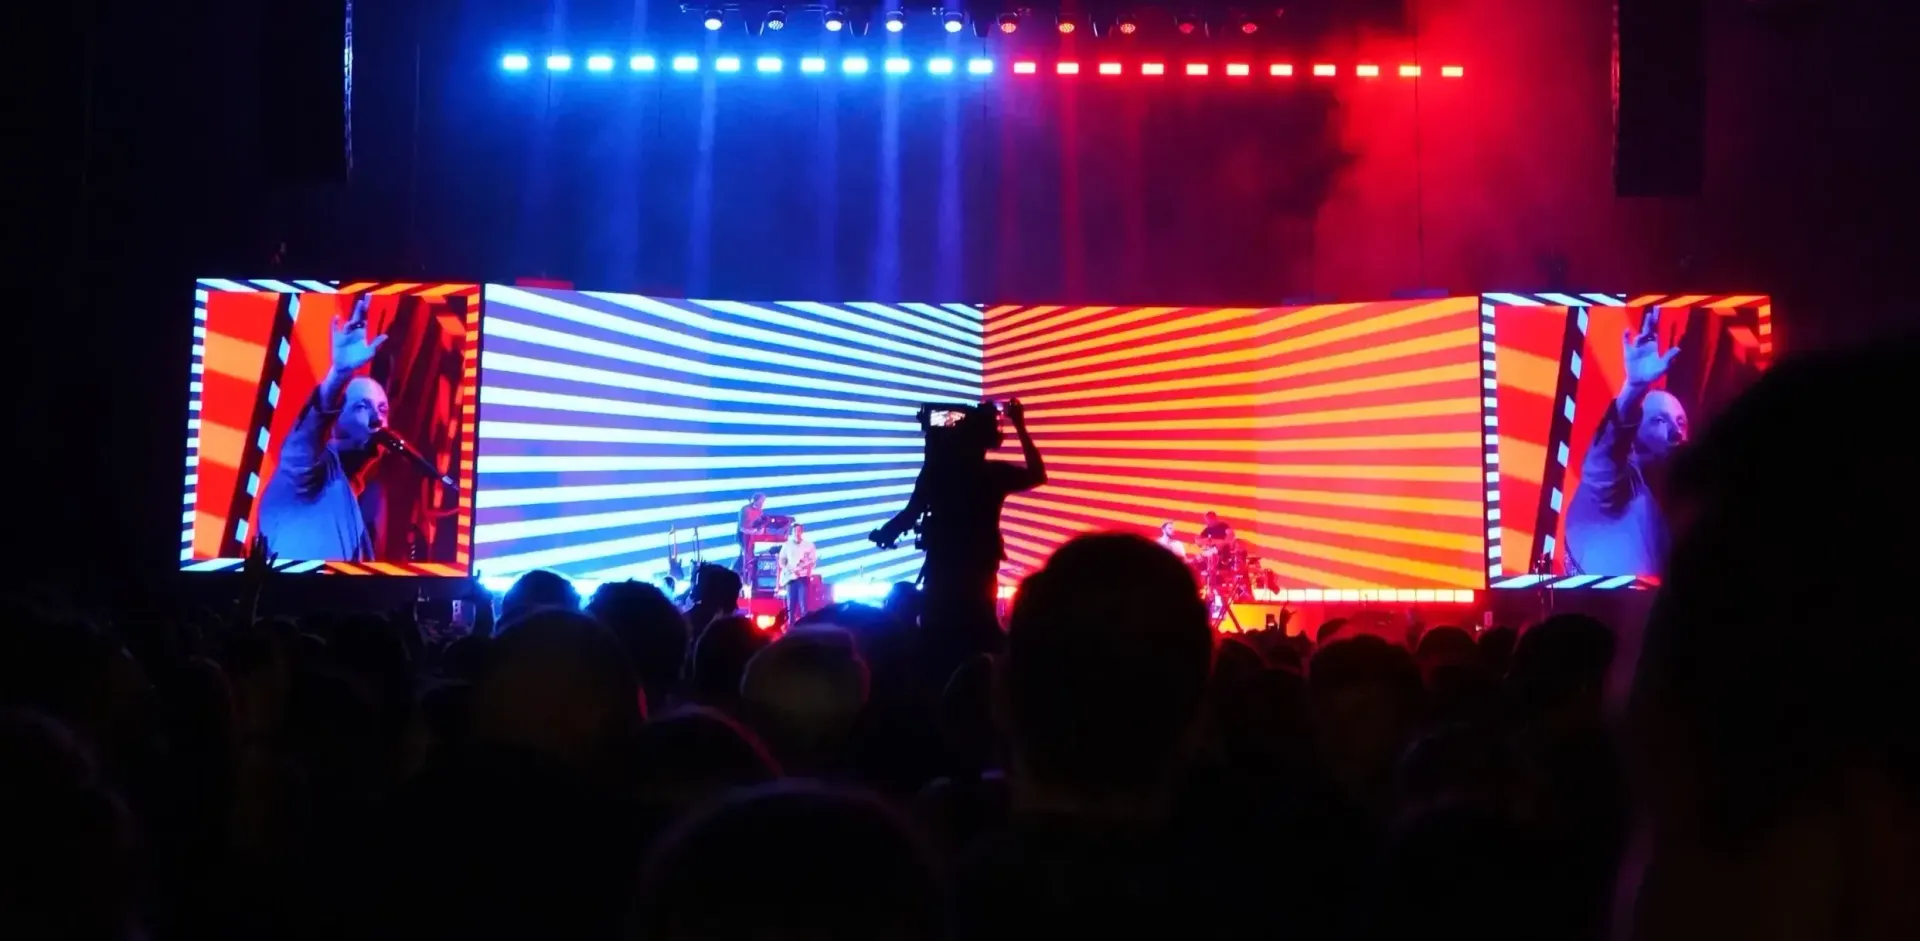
334 422
1596 395
621 434
1340 444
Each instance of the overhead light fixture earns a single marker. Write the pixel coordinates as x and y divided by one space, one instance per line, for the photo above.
1009 22
1126 25
1186 24
714 20
776 19
836 20
896 21
1248 26
1065 24
953 21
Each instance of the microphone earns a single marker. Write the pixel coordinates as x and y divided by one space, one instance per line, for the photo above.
390 440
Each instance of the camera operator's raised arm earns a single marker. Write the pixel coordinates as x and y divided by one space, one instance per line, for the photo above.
1036 469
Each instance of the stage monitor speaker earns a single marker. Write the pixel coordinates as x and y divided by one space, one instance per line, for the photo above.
306 90
1659 97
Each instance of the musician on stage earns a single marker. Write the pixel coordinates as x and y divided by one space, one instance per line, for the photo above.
751 524
1216 533
1170 542
797 559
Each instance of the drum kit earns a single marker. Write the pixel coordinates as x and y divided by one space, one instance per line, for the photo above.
1227 573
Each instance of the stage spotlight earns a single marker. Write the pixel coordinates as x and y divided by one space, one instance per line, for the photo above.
836 20
1247 25
979 66
714 20
600 63
854 65
1187 24
559 63
896 66
896 21
940 66
1126 25
1065 24
776 19
514 62
813 65
641 63
953 22
1009 22
767 64
685 63
727 64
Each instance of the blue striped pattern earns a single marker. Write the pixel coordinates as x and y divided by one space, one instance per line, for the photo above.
606 418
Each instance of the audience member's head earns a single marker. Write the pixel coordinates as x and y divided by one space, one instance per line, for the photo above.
719 659
903 602
1558 672
1108 655
1328 631
694 754
1444 647
1496 648
535 590
1773 718
1262 726
716 588
556 681
803 694
1364 694
1234 660
652 630
841 866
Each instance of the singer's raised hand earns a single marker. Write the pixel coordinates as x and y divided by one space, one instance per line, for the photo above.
351 348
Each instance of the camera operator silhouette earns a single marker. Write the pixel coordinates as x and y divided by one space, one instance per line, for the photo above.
955 507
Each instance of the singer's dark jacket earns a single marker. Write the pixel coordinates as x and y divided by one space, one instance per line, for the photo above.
1614 522
309 510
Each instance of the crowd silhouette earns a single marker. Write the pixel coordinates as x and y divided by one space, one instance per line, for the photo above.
1745 766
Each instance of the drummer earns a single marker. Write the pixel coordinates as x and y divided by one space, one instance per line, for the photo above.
1215 534
1170 542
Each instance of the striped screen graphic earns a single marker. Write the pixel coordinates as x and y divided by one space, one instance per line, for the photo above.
609 421
1560 363
1344 442
263 344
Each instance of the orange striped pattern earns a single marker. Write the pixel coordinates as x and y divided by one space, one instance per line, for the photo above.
240 326
1342 441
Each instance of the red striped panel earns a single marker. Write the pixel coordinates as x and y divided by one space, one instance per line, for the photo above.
239 337
1343 441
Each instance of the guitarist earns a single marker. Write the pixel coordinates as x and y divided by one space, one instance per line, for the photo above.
797 559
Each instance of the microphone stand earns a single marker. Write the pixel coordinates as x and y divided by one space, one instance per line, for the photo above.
391 442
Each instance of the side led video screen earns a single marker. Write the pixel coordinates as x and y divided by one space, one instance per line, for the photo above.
621 436
1339 445
334 422
1596 395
